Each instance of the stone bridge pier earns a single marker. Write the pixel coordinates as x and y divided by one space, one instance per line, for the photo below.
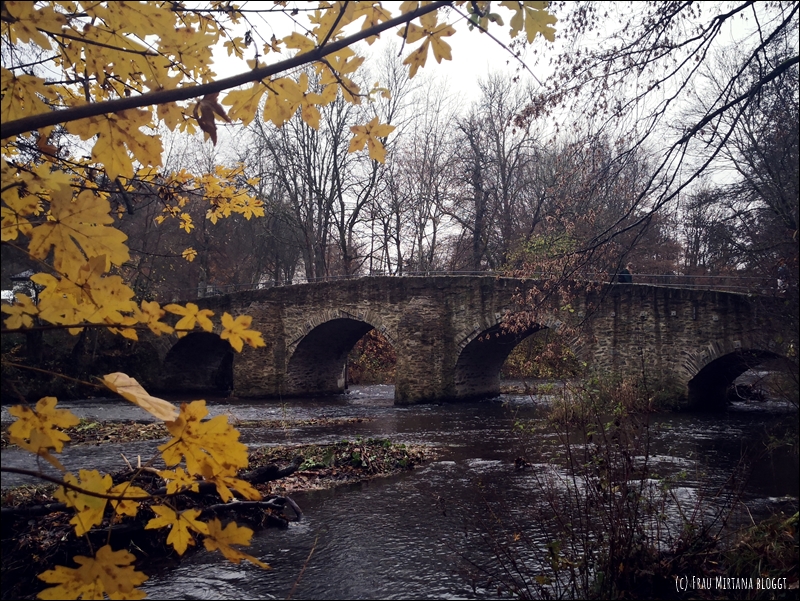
450 344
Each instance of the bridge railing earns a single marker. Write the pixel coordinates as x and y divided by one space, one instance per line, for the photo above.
724 283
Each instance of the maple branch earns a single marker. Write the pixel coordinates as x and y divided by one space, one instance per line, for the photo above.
48 372
96 43
78 489
34 122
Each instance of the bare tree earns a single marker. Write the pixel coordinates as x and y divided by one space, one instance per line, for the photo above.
644 61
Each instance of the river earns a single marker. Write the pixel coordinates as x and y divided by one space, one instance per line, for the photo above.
412 536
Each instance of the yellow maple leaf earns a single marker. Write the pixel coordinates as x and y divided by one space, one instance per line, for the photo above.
284 98
16 211
22 312
180 525
117 133
189 254
178 480
191 315
249 207
224 483
171 114
222 539
236 332
224 478
334 70
533 17
369 134
150 314
236 46
186 223
108 573
244 103
85 295
130 389
127 506
35 430
298 42
22 96
433 33
89 508
202 443
375 14
30 23
75 228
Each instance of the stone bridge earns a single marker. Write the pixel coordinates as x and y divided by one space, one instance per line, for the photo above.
450 344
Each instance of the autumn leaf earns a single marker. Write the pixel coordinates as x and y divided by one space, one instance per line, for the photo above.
118 133
433 33
86 295
22 96
533 18
22 312
286 95
206 112
180 525
199 441
151 314
89 508
236 332
369 134
78 227
189 254
186 223
35 430
222 539
130 389
224 483
224 478
31 23
16 211
297 41
191 315
244 103
127 506
178 480
108 573
236 46
171 114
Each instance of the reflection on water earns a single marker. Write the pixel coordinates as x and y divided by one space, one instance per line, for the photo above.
404 537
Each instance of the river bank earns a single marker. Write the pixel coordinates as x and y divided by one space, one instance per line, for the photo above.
36 541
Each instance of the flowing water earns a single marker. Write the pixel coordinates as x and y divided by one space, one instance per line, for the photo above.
410 536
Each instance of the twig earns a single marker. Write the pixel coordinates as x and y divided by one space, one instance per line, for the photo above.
305 564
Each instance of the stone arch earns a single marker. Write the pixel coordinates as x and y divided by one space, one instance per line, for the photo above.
317 358
199 362
482 352
707 390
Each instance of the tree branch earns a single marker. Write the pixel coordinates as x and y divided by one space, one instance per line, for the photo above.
34 122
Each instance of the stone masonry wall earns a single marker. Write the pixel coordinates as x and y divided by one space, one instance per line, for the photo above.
666 333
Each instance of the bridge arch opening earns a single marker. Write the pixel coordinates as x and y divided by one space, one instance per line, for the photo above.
199 362
477 372
372 360
710 388
318 366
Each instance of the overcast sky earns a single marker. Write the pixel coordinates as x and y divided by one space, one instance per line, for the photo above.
474 55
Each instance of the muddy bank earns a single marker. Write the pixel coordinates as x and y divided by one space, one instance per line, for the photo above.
36 541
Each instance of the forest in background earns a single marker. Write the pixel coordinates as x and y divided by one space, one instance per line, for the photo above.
506 184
